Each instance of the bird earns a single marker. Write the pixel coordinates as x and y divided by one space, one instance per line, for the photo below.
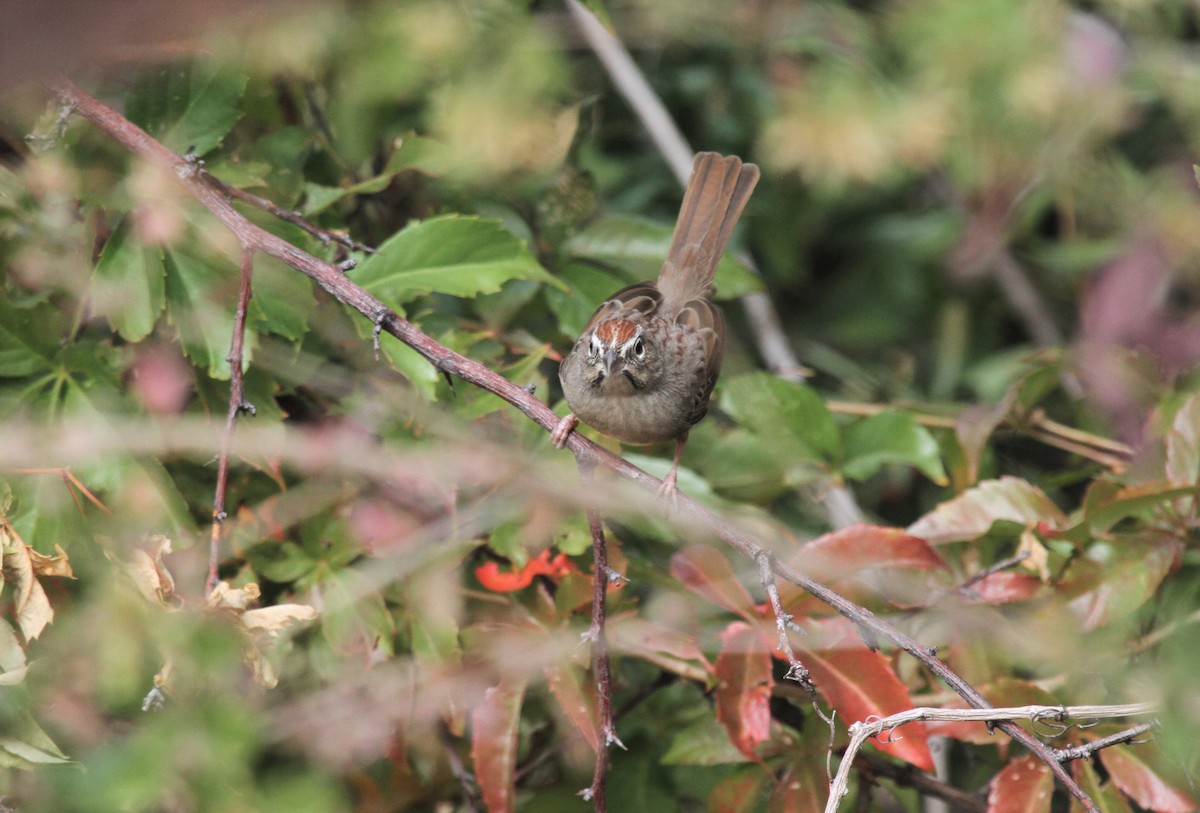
644 367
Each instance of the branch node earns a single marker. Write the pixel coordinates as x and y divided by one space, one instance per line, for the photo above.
192 166
347 265
380 322
247 408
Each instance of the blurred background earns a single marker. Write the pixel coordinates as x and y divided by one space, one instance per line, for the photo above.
978 227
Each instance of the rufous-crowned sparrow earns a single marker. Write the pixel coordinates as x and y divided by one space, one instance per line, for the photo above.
646 363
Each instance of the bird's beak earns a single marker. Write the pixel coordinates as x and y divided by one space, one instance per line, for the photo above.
609 359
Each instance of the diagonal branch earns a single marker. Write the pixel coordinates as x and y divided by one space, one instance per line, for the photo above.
331 278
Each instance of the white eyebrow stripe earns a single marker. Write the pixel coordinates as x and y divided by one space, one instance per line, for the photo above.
637 334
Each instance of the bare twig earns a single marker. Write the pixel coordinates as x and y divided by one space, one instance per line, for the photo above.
326 236
766 577
237 405
1087 749
333 281
862 731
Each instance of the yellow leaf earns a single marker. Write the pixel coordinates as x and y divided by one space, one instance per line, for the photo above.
274 620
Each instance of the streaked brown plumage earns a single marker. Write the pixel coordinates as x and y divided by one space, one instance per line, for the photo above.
645 365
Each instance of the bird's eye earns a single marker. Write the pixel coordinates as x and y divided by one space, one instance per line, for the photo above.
639 349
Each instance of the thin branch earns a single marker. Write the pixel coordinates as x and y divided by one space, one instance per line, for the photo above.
237 405
334 282
71 482
326 236
796 670
862 731
1087 749
1111 454
1025 299
601 665
1003 564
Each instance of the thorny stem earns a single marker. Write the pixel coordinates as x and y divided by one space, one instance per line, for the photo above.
766 576
333 281
237 405
601 665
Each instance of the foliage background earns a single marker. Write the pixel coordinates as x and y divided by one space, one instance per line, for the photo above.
978 202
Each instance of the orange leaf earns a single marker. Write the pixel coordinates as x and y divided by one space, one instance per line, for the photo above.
489 574
494 724
1024 786
860 683
743 695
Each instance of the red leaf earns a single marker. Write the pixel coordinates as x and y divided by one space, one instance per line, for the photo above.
705 570
972 513
836 555
865 563
1142 784
1024 786
801 788
577 703
1004 588
743 695
860 683
494 724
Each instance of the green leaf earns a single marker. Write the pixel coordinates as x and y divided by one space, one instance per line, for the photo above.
891 437
703 741
129 285
205 326
282 562
190 106
28 338
639 246
282 299
791 415
460 256
24 744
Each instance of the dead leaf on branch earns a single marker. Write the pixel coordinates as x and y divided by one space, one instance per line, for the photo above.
20 568
149 572
259 624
